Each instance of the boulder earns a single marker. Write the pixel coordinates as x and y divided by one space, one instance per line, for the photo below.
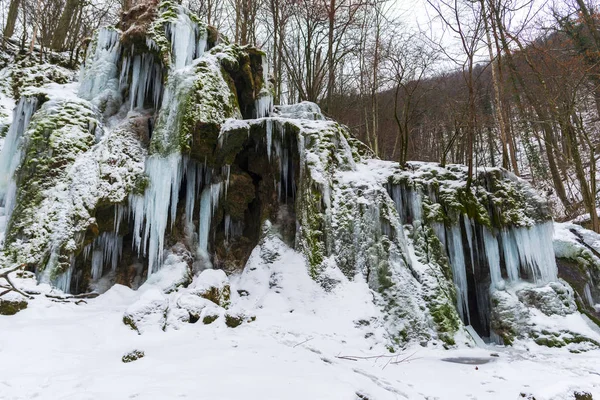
213 285
11 303
148 313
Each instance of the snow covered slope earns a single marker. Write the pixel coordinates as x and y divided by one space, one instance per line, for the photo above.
305 343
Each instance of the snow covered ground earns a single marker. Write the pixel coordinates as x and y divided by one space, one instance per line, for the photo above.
304 344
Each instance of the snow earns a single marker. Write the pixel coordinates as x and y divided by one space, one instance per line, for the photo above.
291 351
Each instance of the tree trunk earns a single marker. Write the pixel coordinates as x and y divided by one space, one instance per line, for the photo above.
64 24
11 19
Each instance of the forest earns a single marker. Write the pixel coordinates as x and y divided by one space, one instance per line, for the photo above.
510 83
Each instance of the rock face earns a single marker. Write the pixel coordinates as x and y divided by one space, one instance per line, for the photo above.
171 165
578 255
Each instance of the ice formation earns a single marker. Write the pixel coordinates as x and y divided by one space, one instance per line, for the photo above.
10 155
499 256
100 70
146 80
105 250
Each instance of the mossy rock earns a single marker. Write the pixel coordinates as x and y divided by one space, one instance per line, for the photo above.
133 356
240 193
233 320
128 320
209 319
220 297
11 306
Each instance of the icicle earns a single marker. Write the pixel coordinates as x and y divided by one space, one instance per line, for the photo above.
264 103
226 172
493 257
396 193
440 232
124 77
100 69
86 252
10 156
511 254
587 293
151 212
204 221
108 247
415 205
536 251
469 230
227 227
97 264
120 212
209 201
188 41
63 282
146 81
192 177
459 273
269 136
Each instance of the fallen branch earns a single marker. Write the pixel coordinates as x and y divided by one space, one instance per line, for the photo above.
91 295
307 340
390 358
5 274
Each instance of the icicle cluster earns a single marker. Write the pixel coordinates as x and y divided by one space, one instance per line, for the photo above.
105 249
100 70
10 156
146 79
509 255
264 103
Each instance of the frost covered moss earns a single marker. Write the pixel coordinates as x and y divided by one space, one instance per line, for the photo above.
28 72
62 179
200 101
438 290
497 198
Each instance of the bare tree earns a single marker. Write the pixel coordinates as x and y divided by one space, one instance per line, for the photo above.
465 20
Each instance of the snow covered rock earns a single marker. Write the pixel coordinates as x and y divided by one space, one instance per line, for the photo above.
193 305
546 314
148 313
210 314
578 255
235 319
509 318
132 356
11 303
175 274
554 299
213 285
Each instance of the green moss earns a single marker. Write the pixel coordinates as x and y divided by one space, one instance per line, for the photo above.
233 321
11 307
221 297
495 200
209 319
133 356
130 323
57 135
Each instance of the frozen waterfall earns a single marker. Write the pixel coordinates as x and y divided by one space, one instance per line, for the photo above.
10 156
477 253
